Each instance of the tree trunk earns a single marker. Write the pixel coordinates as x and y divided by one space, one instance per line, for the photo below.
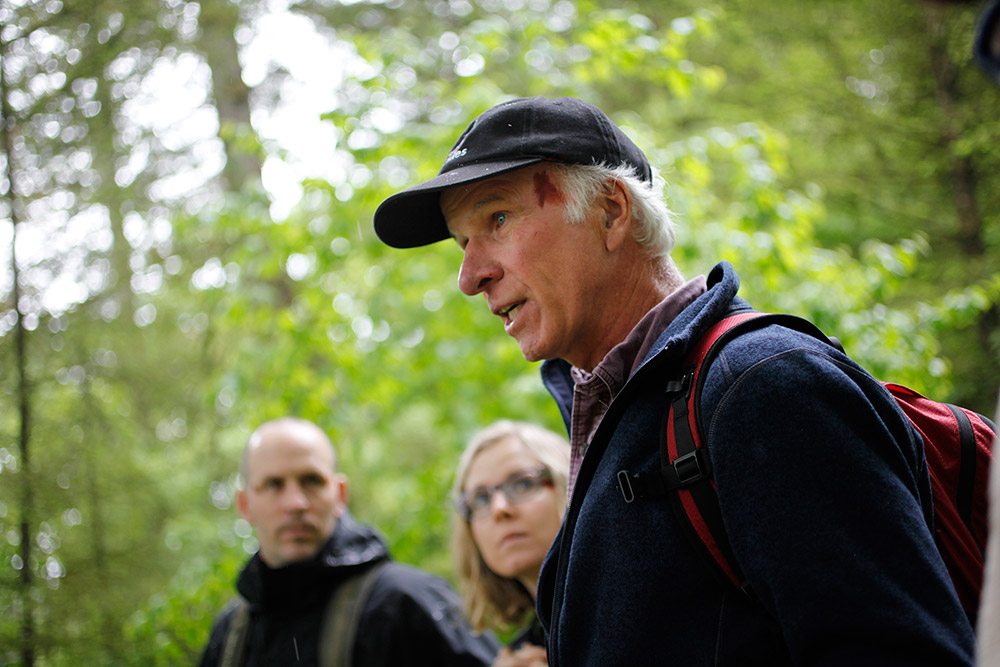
218 23
103 128
963 175
8 125
95 509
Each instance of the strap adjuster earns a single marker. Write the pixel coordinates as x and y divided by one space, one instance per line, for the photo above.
692 468
682 472
626 486
680 385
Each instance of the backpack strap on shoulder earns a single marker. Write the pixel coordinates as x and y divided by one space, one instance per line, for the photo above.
685 473
235 646
967 469
343 611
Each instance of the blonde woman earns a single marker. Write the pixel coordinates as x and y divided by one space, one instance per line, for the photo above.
510 495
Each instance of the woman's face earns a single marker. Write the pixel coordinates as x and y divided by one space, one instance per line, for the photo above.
513 537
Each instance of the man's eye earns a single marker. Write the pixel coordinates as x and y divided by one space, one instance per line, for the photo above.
313 480
273 484
499 218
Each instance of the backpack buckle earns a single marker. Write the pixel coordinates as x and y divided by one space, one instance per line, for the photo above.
692 468
681 385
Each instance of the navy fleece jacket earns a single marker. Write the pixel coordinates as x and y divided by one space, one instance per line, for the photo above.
825 498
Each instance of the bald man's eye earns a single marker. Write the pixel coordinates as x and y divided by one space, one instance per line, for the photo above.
315 481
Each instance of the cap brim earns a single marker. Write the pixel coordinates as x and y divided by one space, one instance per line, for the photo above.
413 217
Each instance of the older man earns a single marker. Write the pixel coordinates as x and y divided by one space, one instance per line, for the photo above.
824 495
321 589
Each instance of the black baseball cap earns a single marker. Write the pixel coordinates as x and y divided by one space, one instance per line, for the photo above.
509 136
987 45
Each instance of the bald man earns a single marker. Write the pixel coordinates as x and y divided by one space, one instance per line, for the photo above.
309 549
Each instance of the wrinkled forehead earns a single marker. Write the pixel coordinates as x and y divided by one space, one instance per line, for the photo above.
534 184
470 195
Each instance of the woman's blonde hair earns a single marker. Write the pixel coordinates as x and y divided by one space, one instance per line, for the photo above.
492 601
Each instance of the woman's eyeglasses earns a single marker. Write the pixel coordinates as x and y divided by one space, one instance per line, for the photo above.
475 503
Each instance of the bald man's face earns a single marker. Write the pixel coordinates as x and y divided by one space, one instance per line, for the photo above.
293 497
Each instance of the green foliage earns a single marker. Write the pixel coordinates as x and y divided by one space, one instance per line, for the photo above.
170 629
887 114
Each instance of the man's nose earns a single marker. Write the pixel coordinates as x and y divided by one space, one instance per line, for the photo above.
294 498
478 269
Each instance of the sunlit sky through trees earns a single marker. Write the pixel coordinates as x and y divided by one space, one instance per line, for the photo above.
173 103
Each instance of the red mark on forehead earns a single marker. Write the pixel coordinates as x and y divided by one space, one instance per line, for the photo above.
546 191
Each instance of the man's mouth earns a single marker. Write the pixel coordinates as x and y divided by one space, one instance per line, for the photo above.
509 313
298 530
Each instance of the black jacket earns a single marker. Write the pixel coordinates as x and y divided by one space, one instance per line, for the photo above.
410 618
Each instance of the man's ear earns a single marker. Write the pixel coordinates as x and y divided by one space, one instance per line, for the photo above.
616 209
242 504
343 491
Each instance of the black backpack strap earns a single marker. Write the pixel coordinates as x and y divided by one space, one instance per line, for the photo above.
340 621
966 467
966 492
685 473
235 646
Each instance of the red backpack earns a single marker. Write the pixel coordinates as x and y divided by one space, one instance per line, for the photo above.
957 445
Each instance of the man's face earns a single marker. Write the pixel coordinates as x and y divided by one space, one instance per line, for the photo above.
542 276
293 497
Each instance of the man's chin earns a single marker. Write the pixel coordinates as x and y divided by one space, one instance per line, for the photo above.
298 552
529 351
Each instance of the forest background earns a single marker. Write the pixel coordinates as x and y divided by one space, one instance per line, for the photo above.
159 299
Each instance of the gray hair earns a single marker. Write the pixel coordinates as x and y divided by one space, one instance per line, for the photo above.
654 228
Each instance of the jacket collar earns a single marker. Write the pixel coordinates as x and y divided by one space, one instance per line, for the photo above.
307 582
718 300
673 343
